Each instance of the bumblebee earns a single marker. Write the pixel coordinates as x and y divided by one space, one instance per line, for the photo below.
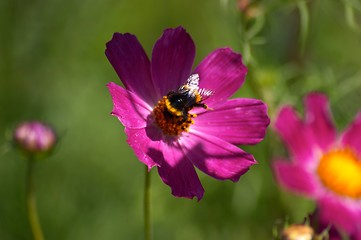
188 96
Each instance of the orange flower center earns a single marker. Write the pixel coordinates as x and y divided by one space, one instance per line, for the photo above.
172 121
340 171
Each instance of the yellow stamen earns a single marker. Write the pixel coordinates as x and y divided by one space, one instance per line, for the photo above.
340 171
172 123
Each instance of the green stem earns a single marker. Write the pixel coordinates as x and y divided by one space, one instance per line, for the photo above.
304 17
147 221
256 88
31 202
246 47
247 55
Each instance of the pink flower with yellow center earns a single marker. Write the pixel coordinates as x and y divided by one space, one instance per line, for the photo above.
176 118
325 167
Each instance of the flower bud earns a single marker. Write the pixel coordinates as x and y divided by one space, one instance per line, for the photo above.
34 137
297 232
243 5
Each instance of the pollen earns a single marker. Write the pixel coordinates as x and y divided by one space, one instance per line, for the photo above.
340 171
169 121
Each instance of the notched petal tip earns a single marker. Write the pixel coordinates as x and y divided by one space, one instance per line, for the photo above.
190 195
223 72
316 96
179 174
132 65
115 46
288 122
239 174
286 111
296 134
318 118
235 57
266 121
172 59
175 30
179 188
217 158
119 36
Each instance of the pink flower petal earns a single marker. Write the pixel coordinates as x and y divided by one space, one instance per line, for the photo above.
131 111
319 226
318 117
352 135
172 60
132 65
223 72
216 157
178 172
146 142
340 213
238 121
357 234
295 178
295 134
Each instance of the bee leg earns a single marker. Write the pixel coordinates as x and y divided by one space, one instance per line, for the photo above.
185 116
202 105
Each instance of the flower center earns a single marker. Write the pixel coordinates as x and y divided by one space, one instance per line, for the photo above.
171 120
340 171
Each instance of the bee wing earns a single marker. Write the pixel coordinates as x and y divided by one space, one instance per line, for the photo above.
192 85
193 81
205 93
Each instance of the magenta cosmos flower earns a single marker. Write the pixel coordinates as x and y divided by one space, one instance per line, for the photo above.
174 123
324 166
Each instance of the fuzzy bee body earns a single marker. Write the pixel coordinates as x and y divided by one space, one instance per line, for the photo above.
188 96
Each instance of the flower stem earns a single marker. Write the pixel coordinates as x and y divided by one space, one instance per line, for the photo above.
304 23
147 221
31 202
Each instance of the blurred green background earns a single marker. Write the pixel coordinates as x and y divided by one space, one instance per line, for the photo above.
53 68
